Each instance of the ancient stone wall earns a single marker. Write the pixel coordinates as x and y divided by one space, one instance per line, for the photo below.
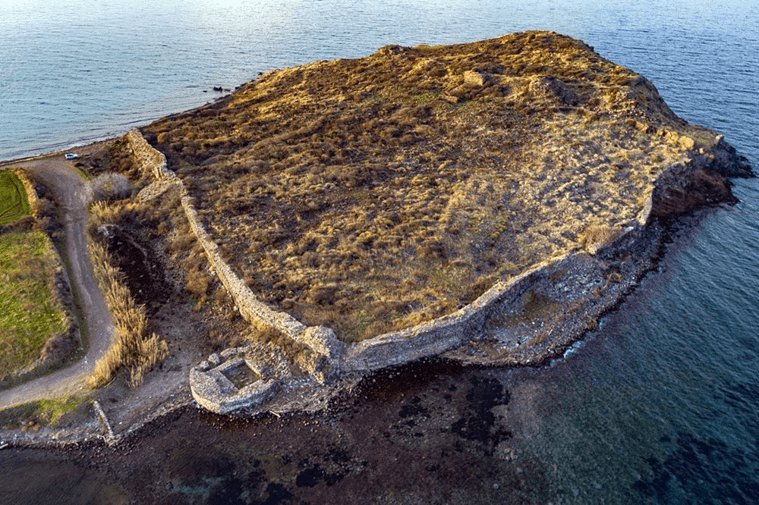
150 159
427 339
445 333
322 340
247 303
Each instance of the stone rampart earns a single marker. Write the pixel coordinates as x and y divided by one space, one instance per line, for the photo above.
148 158
427 339
321 340
249 306
445 333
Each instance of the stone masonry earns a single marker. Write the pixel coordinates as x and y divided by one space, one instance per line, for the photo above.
215 392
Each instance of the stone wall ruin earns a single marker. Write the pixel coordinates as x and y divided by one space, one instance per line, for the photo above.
432 338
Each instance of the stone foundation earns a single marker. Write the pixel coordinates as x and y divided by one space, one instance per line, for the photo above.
213 389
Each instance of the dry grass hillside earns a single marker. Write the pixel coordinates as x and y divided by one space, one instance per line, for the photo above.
371 194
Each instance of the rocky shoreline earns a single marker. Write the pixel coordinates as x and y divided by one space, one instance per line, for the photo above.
524 321
520 332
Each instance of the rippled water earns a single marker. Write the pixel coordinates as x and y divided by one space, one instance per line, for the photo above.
661 405
77 70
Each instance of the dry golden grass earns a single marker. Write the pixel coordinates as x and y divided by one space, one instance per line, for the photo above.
375 193
597 236
133 349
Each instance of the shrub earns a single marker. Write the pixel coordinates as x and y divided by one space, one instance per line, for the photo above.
596 236
109 187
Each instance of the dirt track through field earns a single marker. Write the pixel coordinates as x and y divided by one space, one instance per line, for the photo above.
70 191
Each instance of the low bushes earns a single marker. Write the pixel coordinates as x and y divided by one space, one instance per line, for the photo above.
596 236
109 186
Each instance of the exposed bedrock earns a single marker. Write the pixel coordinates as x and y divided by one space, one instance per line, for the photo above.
701 182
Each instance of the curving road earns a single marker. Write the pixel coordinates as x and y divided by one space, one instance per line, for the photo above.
70 191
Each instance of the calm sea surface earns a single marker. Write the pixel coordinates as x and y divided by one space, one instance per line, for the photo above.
661 405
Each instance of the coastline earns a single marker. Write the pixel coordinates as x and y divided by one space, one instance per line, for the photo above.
628 258
526 320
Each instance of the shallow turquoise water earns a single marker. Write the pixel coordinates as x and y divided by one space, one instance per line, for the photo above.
661 405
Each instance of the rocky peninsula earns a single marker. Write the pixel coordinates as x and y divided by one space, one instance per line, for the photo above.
483 202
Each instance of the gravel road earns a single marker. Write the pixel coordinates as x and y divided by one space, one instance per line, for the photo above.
70 191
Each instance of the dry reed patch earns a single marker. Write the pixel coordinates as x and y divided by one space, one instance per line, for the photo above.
134 349
161 227
369 194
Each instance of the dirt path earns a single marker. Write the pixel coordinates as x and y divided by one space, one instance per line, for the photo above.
69 190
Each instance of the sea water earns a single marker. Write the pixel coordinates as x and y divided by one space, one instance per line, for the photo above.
72 71
661 405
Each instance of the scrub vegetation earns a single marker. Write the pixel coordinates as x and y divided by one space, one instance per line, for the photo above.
372 194
133 349
34 415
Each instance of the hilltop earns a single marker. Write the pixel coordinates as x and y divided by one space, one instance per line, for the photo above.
371 194
485 202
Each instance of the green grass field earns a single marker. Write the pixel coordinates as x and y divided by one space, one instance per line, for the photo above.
13 200
33 415
30 309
